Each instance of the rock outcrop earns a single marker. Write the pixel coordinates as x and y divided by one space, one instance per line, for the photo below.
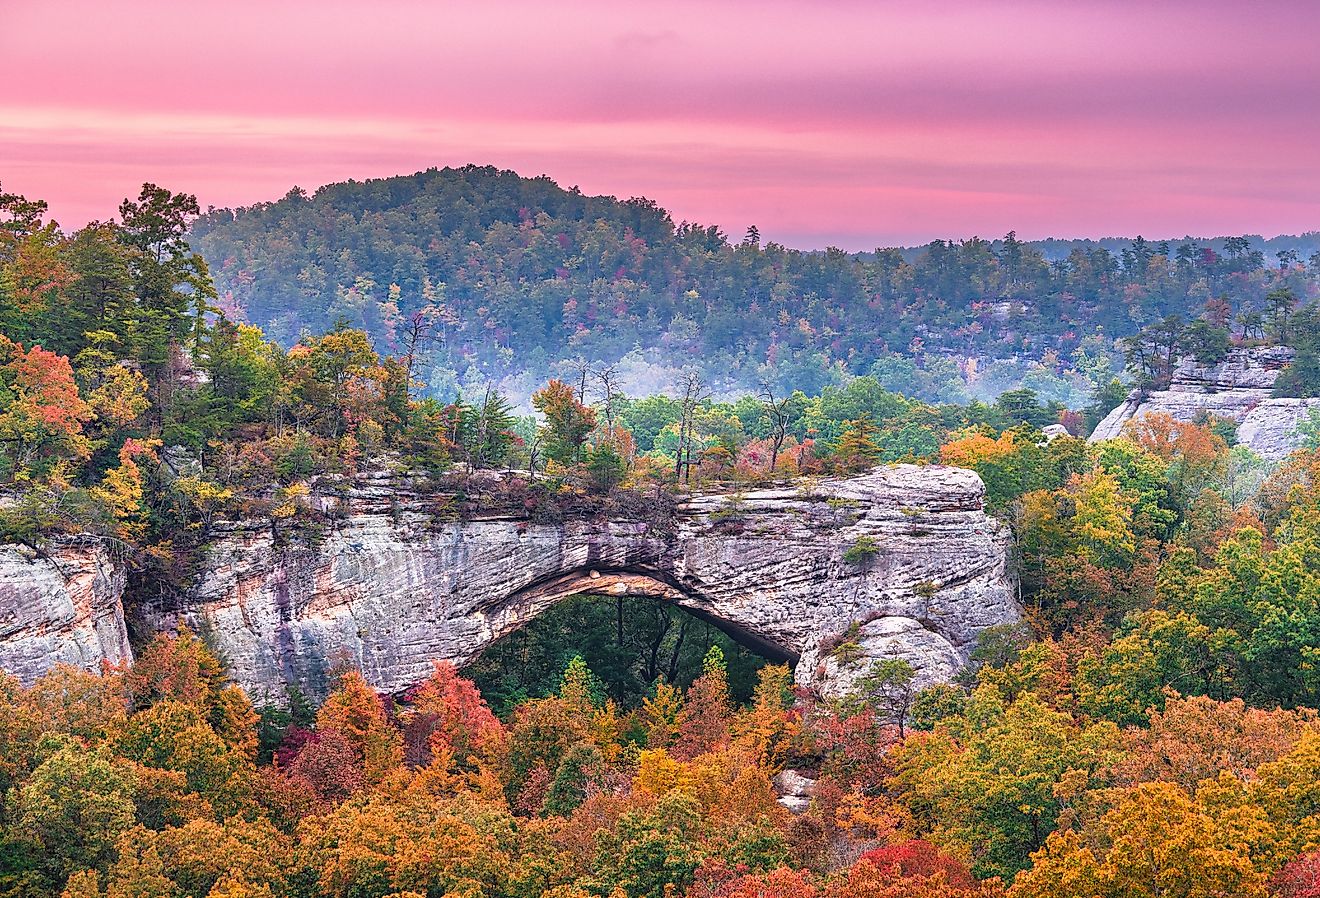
1238 388
390 588
64 606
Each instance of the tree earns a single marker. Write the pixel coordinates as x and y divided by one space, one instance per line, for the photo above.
329 765
1302 376
605 468
419 332
568 789
1153 352
888 687
993 782
488 435
1207 344
1299 878
72 810
1023 406
1155 841
857 448
450 718
1279 305
173 737
567 422
608 378
703 721
175 668
776 411
41 412
358 712
172 283
695 392
918 859
1194 739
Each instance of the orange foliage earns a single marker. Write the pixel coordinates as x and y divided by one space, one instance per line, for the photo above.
974 448
357 711
1196 738
448 716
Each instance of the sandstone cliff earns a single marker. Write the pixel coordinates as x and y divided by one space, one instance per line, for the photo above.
390 588
1238 388
64 607
394 581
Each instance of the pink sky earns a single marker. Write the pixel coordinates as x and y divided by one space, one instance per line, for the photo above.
830 122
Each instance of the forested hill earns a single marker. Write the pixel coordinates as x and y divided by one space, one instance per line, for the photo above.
515 275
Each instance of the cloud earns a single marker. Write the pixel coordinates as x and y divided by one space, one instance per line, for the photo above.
848 122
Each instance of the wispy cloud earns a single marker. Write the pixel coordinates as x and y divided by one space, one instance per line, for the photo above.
845 122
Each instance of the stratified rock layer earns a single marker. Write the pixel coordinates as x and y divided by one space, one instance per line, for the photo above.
64 607
1238 389
390 589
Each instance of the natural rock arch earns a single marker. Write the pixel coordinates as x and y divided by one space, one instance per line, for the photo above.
390 589
521 608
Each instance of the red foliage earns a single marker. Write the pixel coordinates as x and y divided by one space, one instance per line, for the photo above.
44 381
855 746
330 765
714 880
918 859
703 724
1299 878
180 669
449 716
532 797
295 737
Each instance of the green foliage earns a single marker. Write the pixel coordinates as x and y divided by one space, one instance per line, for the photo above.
530 274
887 688
73 809
605 468
1152 717
569 787
1000 796
1302 376
658 641
862 550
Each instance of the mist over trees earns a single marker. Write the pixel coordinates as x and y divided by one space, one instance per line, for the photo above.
517 277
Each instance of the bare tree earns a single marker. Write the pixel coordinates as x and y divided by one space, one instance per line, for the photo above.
608 377
695 392
777 411
418 334
533 453
581 369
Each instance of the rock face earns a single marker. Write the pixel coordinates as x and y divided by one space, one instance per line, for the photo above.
1238 388
795 790
390 589
62 608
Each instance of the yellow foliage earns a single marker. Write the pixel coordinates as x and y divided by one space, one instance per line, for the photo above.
121 396
289 500
659 774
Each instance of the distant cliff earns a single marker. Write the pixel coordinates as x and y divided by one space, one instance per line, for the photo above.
1238 388
391 585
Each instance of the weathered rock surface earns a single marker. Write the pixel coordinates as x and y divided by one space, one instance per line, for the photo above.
62 608
795 791
391 589
1238 388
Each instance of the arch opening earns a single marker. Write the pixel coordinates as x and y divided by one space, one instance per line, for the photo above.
631 627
